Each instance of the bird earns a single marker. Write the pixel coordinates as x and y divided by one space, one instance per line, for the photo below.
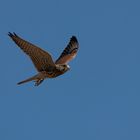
43 61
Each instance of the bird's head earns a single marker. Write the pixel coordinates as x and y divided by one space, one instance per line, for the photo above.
63 67
67 67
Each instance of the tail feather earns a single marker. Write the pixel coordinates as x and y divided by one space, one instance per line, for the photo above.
27 80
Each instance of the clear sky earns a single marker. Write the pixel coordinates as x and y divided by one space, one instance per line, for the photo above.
99 98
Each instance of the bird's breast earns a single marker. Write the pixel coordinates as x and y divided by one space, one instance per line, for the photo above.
54 73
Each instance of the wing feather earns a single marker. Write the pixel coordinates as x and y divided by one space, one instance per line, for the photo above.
41 59
69 52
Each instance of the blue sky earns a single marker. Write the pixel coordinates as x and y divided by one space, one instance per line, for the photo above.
99 98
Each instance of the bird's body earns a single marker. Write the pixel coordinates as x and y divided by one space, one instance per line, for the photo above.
42 60
58 70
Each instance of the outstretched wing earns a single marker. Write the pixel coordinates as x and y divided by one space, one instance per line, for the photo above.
69 52
41 59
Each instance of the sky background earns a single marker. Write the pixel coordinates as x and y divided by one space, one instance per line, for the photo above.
99 98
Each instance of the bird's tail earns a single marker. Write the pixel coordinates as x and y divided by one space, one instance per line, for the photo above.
28 80
35 78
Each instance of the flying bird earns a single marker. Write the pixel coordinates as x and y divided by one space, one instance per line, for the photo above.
42 60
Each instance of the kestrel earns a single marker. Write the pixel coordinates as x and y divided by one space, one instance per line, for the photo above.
43 61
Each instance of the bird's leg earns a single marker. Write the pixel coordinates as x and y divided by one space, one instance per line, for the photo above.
38 82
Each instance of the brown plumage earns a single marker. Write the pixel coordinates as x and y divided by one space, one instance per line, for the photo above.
43 61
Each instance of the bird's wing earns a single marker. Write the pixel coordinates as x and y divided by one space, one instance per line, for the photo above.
69 52
41 59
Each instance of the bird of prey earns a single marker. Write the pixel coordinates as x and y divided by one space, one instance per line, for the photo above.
42 60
